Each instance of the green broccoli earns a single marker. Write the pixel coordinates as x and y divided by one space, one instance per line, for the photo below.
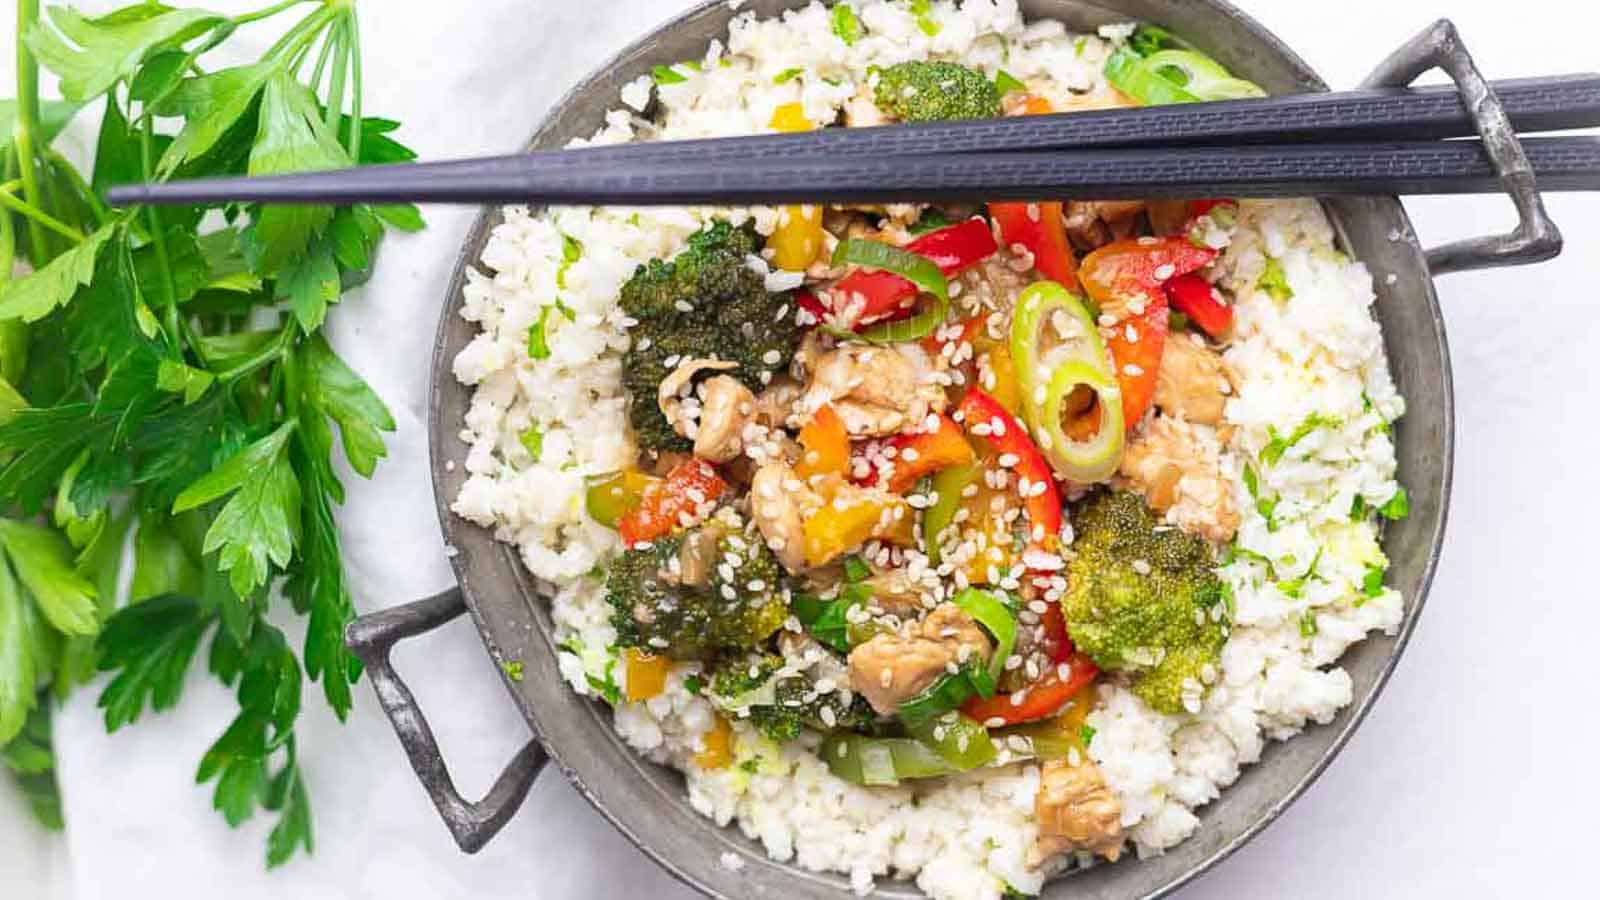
705 302
780 707
660 605
1144 601
936 92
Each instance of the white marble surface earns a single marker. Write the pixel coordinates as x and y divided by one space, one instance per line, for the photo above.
1473 777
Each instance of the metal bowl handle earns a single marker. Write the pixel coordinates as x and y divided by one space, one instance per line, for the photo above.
1536 238
372 637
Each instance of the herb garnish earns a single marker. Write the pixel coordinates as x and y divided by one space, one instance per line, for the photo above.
163 383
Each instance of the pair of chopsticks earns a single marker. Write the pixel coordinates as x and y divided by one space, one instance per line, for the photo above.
1390 141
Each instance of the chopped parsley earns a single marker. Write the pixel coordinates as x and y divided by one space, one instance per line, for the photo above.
606 687
846 24
667 75
751 765
1008 82
694 684
1397 507
533 441
513 669
930 220
1279 445
787 75
1086 733
1275 283
1308 624
1266 506
923 10
538 343
1372 581
1358 508
1295 588
571 252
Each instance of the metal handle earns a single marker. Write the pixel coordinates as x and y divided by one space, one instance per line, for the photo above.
372 637
1536 238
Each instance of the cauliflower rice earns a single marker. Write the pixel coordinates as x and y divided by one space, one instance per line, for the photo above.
1300 574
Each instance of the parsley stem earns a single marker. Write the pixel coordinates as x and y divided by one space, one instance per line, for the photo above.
321 66
26 126
267 12
38 218
341 68
158 238
271 352
354 29
303 32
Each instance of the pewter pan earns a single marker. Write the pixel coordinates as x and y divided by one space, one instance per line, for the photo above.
647 802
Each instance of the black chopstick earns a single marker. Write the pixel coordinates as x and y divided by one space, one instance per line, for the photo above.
1426 167
636 173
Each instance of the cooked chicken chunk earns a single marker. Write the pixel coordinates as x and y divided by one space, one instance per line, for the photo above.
1177 466
1076 811
776 495
861 111
892 668
726 407
895 594
877 391
1093 224
1192 383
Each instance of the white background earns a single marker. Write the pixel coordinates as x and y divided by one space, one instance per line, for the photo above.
1473 777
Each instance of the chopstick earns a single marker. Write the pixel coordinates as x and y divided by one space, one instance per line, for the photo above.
1274 146
1431 167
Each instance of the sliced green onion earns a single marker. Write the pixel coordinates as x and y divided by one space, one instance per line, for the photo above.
855 569
944 695
1175 76
913 267
996 616
1093 460
1052 367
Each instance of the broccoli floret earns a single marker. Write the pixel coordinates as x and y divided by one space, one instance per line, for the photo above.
781 706
732 607
705 302
1144 601
936 92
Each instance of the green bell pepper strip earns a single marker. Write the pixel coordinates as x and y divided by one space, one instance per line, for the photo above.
961 740
876 762
1175 76
1051 366
948 485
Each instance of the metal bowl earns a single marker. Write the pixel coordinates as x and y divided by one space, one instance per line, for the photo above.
646 802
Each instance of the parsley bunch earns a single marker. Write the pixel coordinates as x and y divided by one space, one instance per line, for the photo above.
163 384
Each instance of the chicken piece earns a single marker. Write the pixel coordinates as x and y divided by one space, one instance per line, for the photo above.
892 668
861 111
877 391
1192 384
776 496
1093 224
1177 467
726 407
675 393
775 405
896 594
1076 811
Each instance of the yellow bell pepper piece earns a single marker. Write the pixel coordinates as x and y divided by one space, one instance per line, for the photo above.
797 240
826 445
646 674
716 746
837 528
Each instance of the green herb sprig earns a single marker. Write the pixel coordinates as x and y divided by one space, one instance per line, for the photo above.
164 383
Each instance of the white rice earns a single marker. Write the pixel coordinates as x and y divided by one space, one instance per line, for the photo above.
1319 352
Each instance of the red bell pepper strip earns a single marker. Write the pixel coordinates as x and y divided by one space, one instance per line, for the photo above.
1198 208
1194 296
1043 699
660 512
808 301
986 419
1040 229
1137 271
885 295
